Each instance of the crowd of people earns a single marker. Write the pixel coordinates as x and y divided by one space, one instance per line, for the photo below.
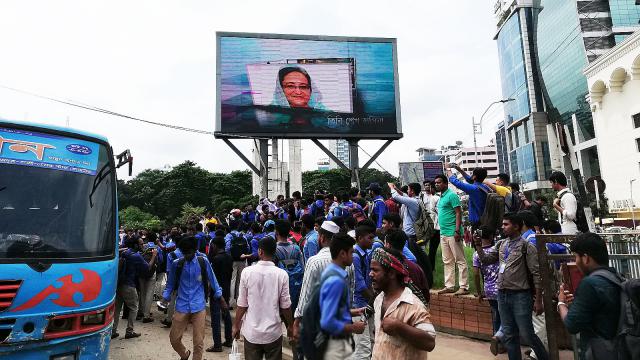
349 274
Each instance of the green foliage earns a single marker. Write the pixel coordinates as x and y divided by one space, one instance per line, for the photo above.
188 189
337 180
164 193
134 218
189 211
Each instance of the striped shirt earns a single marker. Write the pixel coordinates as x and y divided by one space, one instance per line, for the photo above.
312 274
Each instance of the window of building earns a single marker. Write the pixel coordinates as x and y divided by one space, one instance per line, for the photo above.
636 120
638 143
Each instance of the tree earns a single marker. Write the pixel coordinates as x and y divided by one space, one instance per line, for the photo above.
164 193
134 218
189 212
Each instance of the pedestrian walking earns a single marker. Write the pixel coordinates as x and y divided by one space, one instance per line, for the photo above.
518 258
363 292
313 271
240 250
403 328
222 265
190 277
132 265
289 258
330 306
263 302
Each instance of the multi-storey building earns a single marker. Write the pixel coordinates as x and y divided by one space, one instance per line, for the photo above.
543 46
340 148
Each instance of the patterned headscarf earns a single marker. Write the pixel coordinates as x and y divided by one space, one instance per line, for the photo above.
389 261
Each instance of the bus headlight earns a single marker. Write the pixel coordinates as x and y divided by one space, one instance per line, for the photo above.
93 319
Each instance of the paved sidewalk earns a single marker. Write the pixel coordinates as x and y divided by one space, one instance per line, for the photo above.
456 347
154 345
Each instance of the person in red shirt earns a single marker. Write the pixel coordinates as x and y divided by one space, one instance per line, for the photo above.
396 239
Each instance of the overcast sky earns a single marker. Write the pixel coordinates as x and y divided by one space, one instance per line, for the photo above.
156 60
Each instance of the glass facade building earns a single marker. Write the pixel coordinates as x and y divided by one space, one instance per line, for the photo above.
624 13
562 57
512 70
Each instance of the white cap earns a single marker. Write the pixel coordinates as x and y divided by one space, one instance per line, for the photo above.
330 226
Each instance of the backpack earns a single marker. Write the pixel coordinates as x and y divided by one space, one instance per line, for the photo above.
423 225
372 213
313 340
626 344
294 268
581 217
512 202
493 209
122 267
239 247
354 211
203 274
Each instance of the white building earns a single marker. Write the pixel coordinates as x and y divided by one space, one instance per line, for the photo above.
614 95
470 158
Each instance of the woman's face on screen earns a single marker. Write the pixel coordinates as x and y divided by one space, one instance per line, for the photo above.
297 89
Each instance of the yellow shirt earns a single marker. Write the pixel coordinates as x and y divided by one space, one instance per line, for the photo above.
502 190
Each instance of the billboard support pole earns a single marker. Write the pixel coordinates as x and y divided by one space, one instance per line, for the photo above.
241 155
354 163
264 167
330 154
375 156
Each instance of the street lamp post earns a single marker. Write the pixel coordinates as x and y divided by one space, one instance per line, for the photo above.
477 126
633 215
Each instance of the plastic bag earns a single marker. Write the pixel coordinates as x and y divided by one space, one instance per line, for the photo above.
235 351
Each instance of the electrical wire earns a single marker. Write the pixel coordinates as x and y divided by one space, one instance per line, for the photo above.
113 113
375 161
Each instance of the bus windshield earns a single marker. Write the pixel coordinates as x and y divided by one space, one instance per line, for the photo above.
50 211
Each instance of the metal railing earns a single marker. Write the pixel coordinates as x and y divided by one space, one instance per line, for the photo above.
624 256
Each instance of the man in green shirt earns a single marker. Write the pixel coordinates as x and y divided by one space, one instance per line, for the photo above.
450 221
595 310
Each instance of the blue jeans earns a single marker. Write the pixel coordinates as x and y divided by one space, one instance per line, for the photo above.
216 312
515 312
495 315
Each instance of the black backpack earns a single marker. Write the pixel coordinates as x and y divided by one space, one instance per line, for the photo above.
581 217
313 340
626 344
512 202
239 247
122 267
203 274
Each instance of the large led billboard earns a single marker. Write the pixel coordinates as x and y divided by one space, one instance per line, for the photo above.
296 86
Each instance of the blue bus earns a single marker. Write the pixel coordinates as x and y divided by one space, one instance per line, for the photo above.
58 242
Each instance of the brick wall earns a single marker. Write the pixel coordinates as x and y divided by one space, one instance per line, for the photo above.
465 316
461 315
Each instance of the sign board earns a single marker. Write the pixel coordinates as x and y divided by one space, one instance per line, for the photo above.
297 86
420 171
